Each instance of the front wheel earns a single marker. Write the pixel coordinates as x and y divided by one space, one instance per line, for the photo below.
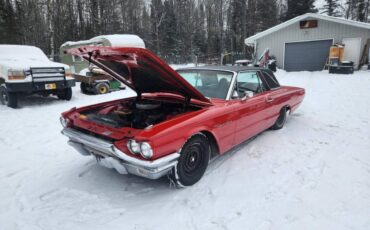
193 162
280 122
7 98
65 94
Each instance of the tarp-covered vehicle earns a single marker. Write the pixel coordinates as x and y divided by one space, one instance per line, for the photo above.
95 81
27 70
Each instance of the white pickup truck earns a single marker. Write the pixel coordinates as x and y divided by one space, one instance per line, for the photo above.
27 70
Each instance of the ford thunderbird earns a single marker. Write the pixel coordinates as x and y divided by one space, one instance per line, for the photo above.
179 119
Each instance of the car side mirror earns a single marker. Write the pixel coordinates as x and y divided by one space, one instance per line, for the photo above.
235 95
247 94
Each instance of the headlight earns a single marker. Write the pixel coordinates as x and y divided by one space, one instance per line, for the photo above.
68 73
16 75
146 150
133 146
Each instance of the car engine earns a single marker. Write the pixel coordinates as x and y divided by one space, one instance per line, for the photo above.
137 114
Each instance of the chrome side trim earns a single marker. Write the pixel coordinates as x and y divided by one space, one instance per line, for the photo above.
110 156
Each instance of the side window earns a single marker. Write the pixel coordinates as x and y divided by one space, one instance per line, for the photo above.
249 81
271 80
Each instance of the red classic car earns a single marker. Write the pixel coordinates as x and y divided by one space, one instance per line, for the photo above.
179 120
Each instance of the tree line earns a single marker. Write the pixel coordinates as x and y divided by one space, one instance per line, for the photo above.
176 30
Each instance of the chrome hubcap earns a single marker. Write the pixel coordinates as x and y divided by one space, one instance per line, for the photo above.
192 159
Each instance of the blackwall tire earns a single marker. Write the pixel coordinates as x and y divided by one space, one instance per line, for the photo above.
65 94
7 98
83 87
281 120
193 161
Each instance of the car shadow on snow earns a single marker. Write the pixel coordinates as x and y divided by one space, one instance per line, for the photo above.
95 178
91 177
36 100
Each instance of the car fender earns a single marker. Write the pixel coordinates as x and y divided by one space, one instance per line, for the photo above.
201 130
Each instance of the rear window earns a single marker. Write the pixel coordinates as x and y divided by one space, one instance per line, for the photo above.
271 80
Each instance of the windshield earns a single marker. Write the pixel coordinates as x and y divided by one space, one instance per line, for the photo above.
211 83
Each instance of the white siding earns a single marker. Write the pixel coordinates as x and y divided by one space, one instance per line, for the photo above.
325 30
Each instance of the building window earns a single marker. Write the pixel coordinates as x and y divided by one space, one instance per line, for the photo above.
308 24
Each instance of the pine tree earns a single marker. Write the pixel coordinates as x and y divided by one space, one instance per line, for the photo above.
267 14
299 7
358 10
2 21
145 28
199 37
331 8
237 17
251 23
156 18
9 22
168 27
361 10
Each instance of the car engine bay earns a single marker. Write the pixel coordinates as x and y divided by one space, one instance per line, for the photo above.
137 113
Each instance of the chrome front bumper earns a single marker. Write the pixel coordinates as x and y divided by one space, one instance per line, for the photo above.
109 156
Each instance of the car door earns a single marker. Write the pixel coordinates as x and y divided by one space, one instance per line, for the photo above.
276 97
251 112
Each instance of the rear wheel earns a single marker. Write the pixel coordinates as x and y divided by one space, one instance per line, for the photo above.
280 122
65 94
83 88
7 98
101 88
193 161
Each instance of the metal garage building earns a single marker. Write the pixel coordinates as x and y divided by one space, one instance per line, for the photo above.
303 43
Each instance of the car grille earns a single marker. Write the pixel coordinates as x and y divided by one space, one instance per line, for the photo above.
48 74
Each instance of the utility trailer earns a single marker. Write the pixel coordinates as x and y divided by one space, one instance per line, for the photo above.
96 81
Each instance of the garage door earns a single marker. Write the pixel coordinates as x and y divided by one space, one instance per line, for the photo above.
309 56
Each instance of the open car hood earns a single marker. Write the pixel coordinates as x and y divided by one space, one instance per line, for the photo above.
140 70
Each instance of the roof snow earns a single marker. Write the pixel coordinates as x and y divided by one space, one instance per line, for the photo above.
21 51
115 40
254 38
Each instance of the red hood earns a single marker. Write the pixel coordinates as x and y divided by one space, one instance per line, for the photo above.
139 69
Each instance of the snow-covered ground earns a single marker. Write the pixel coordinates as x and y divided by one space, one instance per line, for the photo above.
313 174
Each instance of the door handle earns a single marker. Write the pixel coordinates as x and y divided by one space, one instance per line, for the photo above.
269 99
